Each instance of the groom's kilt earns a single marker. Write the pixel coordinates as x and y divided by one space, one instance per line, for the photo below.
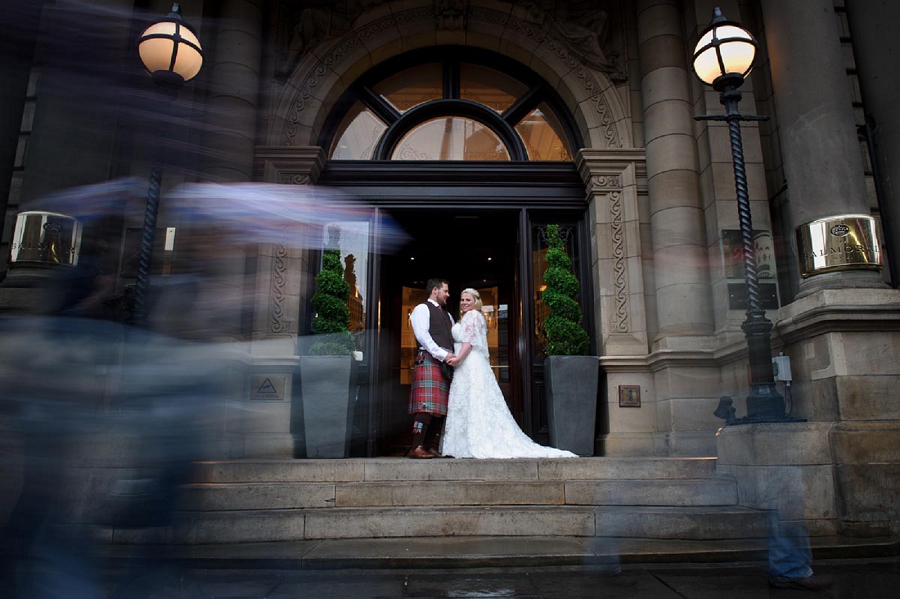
430 389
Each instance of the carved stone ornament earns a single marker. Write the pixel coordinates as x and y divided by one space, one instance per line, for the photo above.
593 30
279 281
593 40
450 15
620 320
605 182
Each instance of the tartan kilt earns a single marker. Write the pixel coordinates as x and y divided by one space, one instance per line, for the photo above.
430 390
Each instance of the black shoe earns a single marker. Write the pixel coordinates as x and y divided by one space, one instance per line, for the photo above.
812 583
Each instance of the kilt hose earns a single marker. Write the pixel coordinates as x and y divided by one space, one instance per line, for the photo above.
430 390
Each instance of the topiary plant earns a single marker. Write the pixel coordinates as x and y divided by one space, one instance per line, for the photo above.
565 336
332 319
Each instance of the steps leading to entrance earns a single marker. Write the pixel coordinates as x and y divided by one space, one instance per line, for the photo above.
306 500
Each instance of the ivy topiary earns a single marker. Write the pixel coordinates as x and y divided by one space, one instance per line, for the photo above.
332 319
565 336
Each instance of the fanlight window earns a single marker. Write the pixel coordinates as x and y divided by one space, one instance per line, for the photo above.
489 87
407 89
451 138
450 110
359 132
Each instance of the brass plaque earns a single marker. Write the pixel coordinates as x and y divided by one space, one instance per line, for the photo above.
45 238
629 396
847 242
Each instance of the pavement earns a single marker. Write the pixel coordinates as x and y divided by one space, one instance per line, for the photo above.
863 579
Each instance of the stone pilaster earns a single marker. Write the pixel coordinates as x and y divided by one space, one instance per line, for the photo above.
616 188
681 276
612 180
819 142
267 418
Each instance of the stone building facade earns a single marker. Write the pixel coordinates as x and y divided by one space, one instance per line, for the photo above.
589 111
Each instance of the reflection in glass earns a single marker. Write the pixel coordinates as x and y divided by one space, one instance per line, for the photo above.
357 134
543 135
451 138
354 246
539 265
412 87
495 314
489 87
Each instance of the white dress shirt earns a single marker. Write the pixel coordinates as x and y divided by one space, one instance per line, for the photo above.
421 324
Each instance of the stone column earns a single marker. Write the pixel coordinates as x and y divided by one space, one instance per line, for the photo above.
876 48
683 302
233 97
822 161
683 380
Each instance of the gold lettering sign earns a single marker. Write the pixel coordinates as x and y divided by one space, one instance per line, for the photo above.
847 242
45 238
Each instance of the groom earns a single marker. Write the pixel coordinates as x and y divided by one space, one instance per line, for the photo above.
431 325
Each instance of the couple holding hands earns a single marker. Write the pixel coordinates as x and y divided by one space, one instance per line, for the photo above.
478 421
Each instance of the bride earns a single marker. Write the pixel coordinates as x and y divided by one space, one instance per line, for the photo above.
479 423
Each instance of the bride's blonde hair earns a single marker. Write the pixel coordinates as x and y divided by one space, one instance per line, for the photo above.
475 295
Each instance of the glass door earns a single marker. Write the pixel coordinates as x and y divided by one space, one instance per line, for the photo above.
474 249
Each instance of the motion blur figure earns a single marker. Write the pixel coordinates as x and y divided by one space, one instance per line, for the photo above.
52 370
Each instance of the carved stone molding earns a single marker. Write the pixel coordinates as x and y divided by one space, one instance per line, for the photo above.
618 252
279 282
306 84
600 183
294 179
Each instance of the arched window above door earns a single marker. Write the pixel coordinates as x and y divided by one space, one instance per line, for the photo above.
474 106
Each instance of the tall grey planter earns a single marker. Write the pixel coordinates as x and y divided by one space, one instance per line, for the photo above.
327 405
571 385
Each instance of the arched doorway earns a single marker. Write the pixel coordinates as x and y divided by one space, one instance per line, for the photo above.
469 151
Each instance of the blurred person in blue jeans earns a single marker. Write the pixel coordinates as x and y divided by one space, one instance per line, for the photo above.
52 371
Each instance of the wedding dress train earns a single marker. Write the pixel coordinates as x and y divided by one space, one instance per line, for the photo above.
479 423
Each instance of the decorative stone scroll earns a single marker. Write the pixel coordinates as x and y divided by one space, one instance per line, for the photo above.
279 280
618 252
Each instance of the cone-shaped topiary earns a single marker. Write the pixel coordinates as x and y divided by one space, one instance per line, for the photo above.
565 337
332 319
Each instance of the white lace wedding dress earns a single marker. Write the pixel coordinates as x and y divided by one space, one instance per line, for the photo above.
479 423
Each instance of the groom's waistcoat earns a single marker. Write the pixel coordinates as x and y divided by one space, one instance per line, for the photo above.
439 326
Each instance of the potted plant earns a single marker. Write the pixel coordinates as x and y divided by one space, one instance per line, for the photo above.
325 373
570 376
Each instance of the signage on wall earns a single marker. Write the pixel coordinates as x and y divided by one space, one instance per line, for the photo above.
847 242
733 254
629 396
267 387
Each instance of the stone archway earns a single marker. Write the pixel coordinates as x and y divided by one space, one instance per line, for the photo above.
325 70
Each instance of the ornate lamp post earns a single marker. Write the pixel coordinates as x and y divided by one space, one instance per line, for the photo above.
723 58
172 55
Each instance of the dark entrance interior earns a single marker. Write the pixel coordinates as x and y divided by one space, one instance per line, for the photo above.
470 248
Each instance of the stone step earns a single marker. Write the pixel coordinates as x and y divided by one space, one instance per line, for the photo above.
260 496
401 469
483 552
689 523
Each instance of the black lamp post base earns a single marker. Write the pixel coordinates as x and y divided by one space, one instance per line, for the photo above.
769 409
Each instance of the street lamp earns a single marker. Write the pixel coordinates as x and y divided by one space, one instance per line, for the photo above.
722 59
172 55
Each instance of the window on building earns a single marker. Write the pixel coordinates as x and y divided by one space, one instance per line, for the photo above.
415 107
